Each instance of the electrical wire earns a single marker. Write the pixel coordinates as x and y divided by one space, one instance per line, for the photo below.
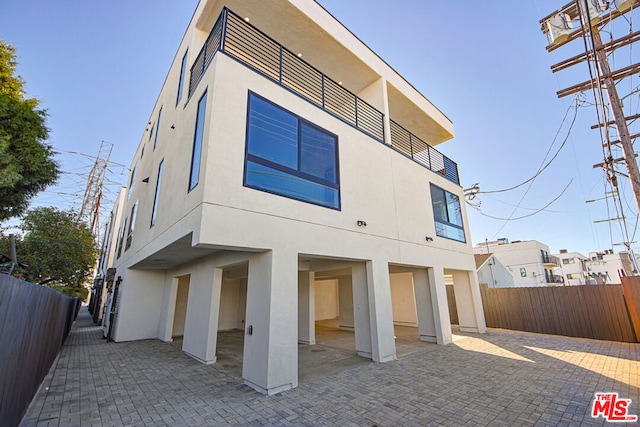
523 216
546 165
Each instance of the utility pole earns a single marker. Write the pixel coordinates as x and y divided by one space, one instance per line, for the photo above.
615 104
557 26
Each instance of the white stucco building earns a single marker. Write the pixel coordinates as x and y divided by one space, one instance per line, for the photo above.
528 261
491 271
606 267
572 268
285 162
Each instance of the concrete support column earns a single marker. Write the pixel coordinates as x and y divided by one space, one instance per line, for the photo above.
361 316
345 301
424 306
383 345
270 361
468 301
203 308
440 305
306 308
165 327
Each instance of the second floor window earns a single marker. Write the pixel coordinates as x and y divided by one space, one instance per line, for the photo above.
155 140
154 210
447 214
132 224
289 156
132 180
194 175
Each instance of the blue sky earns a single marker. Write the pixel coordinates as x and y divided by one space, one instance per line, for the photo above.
99 66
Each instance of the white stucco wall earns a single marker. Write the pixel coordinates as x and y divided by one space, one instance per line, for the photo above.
326 299
403 300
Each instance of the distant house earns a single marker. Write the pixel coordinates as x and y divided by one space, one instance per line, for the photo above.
528 261
491 271
572 268
284 162
606 267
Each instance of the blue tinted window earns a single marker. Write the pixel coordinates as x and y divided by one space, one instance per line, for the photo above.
318 153
183 68
194 176
154 210
290 157
273 133
280 182
447 214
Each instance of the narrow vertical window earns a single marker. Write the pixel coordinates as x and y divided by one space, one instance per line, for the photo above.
154 210
132 224
132 180
121 238
155 141
182 75
194 176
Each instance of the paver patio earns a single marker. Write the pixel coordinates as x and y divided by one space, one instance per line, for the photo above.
502 378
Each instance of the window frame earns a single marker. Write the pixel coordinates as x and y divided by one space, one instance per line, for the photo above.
198 140
130 229
298 172
154 209
155 139
183 68
447 223
132 181
121 238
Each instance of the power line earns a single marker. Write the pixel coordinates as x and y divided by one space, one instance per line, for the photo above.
523 216
545 166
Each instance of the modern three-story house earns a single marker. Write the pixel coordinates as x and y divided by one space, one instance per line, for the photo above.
281 154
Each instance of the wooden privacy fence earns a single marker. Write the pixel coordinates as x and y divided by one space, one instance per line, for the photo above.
590 311
34 322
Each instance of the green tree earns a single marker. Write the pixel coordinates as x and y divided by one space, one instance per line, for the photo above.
58 249
26 160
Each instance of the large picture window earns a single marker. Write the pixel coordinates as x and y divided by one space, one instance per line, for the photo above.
289 156
447 214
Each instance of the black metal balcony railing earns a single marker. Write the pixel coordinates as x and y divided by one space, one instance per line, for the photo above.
550 259
411 146
242 41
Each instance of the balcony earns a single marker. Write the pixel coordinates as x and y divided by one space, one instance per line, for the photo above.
245 43
553 279
550 261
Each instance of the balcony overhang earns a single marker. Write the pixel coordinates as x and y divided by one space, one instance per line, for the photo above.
331 48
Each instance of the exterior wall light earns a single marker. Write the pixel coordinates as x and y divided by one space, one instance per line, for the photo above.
146 180
246 19
299 54
361 223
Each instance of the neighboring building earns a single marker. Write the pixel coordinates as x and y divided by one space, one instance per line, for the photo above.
528 261
491 271
572 267
101 291
284 161
606 267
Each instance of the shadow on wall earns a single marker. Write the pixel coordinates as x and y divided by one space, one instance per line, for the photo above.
35 321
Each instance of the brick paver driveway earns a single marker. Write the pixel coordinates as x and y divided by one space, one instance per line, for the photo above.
500 378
